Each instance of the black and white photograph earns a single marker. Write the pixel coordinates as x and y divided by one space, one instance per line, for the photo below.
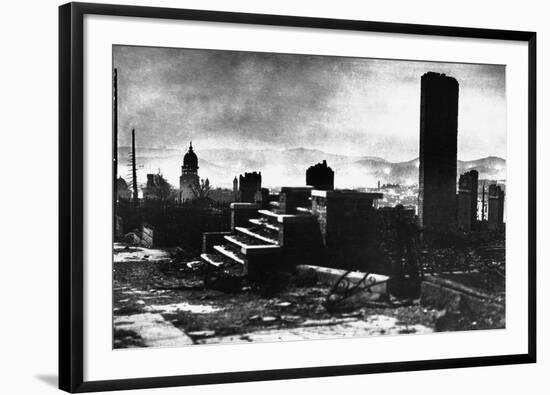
266 197
271 197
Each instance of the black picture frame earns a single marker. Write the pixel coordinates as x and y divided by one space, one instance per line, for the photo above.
71 173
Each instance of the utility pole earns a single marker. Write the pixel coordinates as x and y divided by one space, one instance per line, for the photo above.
115 130
115 147
134 172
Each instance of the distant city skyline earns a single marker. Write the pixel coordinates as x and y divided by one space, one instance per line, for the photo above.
344 106
287 167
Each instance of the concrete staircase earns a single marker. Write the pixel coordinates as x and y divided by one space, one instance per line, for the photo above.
246 247
257 242
271 236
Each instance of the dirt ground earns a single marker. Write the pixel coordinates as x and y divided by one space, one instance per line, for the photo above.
152 282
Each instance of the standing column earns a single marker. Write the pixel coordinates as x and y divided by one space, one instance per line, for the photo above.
438 151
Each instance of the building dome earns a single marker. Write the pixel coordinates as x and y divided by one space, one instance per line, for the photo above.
190 160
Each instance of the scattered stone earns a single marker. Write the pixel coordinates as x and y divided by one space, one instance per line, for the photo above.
190 284
291 318
201 333
336 304
447 321
177 252
329 321
192 308
355 314
140 302
131 238
283 304
194 264
269 319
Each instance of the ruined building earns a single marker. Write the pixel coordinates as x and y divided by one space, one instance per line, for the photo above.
122 190
467 200
346 221
317 227
235 189
320 176
249 184
189 175
157 188
496 207
438 148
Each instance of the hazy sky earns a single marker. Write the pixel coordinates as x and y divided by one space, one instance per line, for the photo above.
353 106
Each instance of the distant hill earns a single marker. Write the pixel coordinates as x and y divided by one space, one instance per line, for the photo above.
287 167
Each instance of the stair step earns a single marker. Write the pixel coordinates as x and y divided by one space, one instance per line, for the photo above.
249 245
230 253
287 218
213 259
326 275
263 223
274 216
242 240
303 210
256 235
226 265
265 232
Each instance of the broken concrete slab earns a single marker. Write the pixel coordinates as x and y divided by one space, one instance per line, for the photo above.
153 330
326 275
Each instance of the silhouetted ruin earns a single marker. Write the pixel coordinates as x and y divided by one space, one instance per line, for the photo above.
467 200
438 148
249 184
235 189
496 207
320 176
157 188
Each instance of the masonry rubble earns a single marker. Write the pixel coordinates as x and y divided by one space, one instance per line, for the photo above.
143 237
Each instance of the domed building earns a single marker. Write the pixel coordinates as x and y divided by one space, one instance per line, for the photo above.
189 175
